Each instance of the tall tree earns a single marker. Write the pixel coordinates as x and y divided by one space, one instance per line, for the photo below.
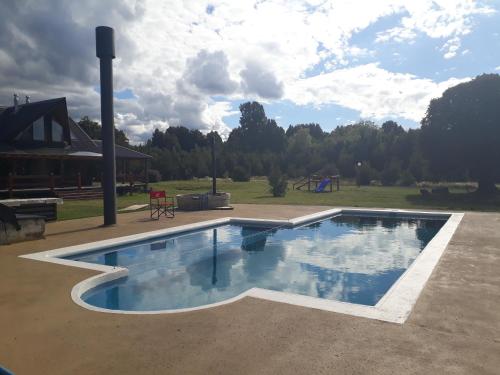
461 131
314 130
256 132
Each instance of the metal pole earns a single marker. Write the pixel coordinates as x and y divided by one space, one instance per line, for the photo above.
214 167
105 51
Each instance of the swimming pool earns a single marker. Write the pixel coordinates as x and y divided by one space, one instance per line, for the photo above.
348 258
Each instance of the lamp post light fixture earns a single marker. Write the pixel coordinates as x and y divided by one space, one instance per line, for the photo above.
358 165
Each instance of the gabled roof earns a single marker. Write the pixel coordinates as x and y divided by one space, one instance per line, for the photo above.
84 142
81 145
81 140
123 152
13 122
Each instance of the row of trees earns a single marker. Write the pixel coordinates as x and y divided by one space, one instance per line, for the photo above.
259 145
459 140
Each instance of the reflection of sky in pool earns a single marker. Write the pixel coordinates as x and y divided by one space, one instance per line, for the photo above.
346 258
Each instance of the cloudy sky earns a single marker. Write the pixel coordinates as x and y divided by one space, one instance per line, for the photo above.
192 62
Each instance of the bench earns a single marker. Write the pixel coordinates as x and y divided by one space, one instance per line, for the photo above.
45 207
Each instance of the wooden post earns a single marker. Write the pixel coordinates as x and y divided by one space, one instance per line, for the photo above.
338 183
124 171
11 184
61 171
79 181
146 172
51 181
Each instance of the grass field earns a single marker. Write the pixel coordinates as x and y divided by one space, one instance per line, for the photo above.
257 192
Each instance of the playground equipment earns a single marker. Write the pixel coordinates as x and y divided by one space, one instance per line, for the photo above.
318 183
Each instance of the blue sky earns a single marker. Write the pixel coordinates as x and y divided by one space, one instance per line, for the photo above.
479 53
192 62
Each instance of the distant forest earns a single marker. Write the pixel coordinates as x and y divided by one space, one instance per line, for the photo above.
458 141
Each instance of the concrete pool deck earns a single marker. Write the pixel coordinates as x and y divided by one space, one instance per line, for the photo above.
454 326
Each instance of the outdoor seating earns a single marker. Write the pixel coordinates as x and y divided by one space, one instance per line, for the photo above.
161 204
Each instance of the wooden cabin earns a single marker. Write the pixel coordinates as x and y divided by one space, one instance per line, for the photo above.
44 152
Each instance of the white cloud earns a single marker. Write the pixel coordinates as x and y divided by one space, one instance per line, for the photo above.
451 47
175 56
257 79
209 73
436 19
449 19
214 114
374 92
397 34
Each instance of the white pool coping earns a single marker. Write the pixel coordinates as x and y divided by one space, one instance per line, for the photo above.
395 306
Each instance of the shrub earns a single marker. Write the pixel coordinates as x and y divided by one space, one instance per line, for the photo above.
390 175
278 182
154 175
240 174
406 179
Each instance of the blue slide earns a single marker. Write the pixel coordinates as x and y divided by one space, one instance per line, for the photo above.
322 185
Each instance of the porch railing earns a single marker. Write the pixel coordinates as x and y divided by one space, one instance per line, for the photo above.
49 181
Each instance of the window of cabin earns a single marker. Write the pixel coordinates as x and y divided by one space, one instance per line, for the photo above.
57 131
38 130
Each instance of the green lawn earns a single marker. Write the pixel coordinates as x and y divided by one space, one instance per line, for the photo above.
257 192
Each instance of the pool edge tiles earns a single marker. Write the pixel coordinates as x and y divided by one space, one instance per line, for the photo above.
395 306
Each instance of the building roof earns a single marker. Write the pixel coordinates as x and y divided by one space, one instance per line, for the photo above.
123 152
13 122
79 139
78 144
7 151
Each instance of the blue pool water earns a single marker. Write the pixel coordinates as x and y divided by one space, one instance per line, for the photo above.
346 258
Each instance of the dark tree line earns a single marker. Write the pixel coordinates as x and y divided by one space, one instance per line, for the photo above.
459 141
258 145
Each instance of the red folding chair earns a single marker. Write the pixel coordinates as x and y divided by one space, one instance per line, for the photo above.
161 204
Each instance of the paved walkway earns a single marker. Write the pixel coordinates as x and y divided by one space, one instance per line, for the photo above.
454 327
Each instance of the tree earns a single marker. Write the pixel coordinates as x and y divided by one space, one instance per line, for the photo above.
256 132
258 145
314 130
390 174
93 130
461 132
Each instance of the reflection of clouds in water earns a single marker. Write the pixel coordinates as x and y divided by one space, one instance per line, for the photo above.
225 233
367 252
258 265
349 259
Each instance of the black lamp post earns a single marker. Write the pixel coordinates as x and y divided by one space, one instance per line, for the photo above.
105 51
214 166
358 165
